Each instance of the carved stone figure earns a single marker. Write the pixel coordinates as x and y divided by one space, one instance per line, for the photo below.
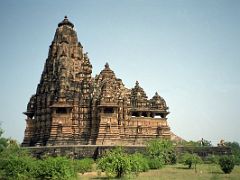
71 107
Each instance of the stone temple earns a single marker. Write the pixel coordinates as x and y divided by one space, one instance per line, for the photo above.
71 107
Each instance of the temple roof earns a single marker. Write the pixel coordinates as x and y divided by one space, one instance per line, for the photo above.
138 92
107 72
65 22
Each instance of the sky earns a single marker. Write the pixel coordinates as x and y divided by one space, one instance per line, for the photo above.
186 50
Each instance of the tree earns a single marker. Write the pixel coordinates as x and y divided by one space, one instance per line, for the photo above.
161 149
115 163
138 163
54 168
3 141
191 159
226 163
16 163
235 147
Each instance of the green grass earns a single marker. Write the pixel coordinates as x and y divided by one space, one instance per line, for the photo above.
204 171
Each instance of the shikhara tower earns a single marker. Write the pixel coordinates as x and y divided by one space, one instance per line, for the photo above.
71 107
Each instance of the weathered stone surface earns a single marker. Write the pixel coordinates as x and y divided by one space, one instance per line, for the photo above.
71 107
95 151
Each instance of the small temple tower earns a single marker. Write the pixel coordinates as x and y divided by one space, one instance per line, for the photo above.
70 107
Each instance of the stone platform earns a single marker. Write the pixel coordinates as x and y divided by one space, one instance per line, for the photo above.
95 151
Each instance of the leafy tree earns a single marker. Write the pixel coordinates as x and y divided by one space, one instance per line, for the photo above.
155 162
226 163
235 151
55 168
16 163
161 149
3 141
138 163
191 159
115 163
83 165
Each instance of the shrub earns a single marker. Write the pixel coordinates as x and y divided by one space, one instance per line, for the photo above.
191 159
235 147
16 163
17 167
138 163
115 163
161 149
156 162
83 165
54 168
227 164
211 159
172 158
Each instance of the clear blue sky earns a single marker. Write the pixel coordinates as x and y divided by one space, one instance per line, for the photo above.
188 51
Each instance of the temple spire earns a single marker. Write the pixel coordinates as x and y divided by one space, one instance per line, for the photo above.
65 22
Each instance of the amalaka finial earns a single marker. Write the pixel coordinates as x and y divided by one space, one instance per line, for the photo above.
156 93
137 83
107 65
65 22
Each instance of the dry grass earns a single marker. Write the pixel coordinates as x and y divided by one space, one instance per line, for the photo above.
179 172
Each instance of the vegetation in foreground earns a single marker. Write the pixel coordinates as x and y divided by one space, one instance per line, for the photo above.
160 158
177 171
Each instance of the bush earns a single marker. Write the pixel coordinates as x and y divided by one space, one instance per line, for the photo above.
227 164
17 167
161 149
172 158
115 163
235 147
211 159
54 168
155 162
190 159
83 165
16 163
138 163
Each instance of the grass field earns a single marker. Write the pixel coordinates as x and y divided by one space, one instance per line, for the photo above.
204 171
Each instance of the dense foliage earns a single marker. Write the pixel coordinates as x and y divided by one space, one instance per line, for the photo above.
211 159
115 163
160 151
16 163
226 163
235 151
3 141
138 163
54 168
201 143
190 159
83 165
155 162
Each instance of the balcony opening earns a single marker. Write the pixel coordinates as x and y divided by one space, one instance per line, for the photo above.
61 110
144 114
108 110
135 114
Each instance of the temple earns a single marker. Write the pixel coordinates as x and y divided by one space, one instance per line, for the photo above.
70 107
